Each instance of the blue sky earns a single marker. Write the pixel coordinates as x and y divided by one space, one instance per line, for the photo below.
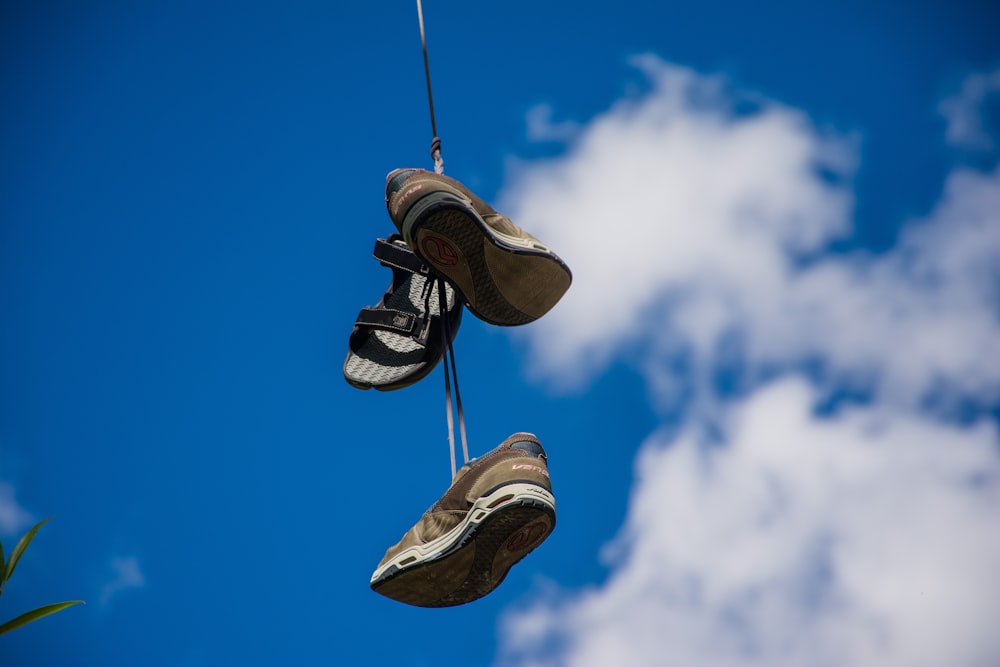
770 399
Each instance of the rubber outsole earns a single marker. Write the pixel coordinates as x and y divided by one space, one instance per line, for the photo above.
502 283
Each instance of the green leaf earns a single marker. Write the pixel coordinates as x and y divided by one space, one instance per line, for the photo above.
36 614
20 547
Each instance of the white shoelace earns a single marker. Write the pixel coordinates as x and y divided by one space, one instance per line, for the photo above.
451 371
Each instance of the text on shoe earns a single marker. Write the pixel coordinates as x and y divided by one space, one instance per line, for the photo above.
528 466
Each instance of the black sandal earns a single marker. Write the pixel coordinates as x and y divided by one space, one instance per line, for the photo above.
399 341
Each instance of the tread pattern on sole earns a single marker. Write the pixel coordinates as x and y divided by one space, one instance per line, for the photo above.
523 272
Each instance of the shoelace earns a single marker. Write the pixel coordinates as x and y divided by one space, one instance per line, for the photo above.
449 352
449 363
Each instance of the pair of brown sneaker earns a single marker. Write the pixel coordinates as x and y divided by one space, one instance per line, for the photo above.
453 249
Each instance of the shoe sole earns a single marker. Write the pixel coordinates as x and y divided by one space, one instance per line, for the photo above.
473 558
505 280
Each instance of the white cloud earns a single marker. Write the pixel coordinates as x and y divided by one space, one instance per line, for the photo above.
700 233
964 111
669 197
540 126
868 538
126 575
13 518
924 315
689 227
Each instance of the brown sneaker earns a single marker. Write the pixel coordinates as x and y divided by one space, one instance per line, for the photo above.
499 507
506 276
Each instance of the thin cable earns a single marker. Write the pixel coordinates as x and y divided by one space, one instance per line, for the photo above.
436 141
427 67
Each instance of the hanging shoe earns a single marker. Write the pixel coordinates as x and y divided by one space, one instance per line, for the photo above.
499 507
506 276
399 341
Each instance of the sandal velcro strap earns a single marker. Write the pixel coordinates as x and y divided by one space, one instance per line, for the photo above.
388 319
396 256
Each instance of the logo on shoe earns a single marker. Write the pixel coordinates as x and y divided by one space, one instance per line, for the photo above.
528 466
396 205
526 537
438 251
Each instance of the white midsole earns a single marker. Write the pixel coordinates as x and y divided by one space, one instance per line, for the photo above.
479 512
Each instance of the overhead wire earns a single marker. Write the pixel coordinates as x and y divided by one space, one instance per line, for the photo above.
436 141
